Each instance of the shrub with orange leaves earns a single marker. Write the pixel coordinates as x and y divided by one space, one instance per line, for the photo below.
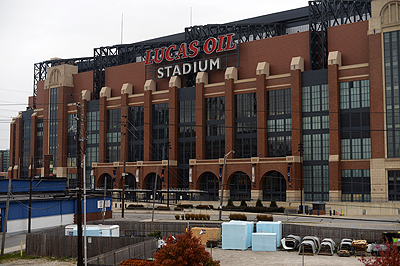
388 257
187 250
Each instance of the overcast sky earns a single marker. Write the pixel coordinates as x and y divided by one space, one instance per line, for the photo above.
32 31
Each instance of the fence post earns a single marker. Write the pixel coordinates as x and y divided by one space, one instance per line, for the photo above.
115 258
145 252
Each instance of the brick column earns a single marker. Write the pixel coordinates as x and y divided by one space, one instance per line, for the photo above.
149 87
294 191
262 72
230 77
174 85
201 81
335 187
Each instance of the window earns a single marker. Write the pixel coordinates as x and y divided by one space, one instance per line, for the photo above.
215 127
356 185
160 131
136 133
246 125
392 72
279 123
113 135
315 107
53 124
355 120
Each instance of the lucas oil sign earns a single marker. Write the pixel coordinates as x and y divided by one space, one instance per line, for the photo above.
223 43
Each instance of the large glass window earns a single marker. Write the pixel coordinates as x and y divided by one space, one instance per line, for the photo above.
356 185
39 143
25 160
92 130
315 107
71 140
113 135
279 123
392 72
355 120
160 131
394 185
246 125
215 127
136 133
53 124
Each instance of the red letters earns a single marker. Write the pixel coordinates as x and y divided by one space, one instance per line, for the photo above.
148 57
229 45
223 43
159 58
194 49
209 45
182 53
168 53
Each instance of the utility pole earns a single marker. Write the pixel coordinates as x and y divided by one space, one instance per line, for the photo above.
301 175
124 173
168 147
30 198
154 197
123 189
79 181
222 185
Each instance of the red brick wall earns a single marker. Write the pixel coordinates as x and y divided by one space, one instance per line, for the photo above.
351 41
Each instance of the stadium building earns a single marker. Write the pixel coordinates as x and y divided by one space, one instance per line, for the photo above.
266 107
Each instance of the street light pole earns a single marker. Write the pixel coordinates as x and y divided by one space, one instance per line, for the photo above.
222 184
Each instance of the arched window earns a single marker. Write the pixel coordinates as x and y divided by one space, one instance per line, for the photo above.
240 186
274 186
209 182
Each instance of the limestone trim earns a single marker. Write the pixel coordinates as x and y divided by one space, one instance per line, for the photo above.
214 85
297 63
127 88
160 100
354 66
136 103
246 90
385 16
105 92
355 77
279 86
288 75
59 76
136 95
239 81
214 94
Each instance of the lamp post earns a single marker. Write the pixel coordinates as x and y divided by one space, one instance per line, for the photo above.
222 184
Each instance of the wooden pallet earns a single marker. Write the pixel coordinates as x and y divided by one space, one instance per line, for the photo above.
344 253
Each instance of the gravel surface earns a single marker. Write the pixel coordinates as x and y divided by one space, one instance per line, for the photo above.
41 261
258 258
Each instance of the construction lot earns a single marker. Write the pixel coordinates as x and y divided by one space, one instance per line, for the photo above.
258 258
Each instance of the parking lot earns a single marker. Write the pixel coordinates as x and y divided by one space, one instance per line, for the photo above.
255 258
